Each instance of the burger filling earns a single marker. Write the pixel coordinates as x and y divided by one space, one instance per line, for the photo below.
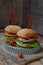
8 37
24 40
9 33
29 43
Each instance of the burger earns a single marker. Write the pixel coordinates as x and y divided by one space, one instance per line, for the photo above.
10 33
27 38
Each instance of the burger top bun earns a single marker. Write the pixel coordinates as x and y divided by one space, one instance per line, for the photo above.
12 28
27 33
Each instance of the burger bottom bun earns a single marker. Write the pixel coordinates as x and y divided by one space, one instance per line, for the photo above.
23 47
26 46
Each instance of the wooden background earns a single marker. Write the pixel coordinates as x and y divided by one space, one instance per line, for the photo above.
21 10
18 9
5 6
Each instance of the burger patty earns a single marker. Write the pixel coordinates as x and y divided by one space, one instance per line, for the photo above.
31 44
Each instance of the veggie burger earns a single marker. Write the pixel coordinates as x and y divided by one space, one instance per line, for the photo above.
10 32
27 38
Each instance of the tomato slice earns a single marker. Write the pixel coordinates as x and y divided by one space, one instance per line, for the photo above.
36 37
9 32
24 38
11 43
20 55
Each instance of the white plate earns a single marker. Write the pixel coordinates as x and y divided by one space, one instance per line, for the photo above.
18 50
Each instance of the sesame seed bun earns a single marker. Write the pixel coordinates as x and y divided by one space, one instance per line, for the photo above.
12 28
27 33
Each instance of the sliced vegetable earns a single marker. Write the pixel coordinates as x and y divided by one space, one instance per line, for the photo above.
20 55
11 43
27 44
8 37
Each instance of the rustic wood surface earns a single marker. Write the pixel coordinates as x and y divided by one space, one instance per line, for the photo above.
9 59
